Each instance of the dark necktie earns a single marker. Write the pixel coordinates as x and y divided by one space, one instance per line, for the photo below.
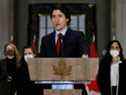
59 45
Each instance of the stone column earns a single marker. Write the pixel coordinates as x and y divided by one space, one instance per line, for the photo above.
121 22
6 22
103 23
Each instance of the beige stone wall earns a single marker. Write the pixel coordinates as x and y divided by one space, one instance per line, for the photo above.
6 22
118 25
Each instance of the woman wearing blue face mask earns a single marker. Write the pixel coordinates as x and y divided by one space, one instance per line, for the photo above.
112 66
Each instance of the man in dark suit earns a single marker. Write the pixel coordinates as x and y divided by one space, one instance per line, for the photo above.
72 42
63 42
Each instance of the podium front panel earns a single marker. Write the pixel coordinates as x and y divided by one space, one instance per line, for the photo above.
63 69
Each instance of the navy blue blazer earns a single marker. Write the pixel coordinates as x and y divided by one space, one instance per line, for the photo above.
73 45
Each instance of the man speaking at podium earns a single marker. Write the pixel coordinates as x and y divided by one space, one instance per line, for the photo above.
63 42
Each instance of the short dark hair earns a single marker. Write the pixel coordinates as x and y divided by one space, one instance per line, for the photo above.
28 46
63 9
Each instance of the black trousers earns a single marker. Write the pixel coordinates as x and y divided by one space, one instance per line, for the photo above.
26 88
12 87
114 90
4 87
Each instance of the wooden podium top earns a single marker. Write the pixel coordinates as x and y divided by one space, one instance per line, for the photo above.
66 69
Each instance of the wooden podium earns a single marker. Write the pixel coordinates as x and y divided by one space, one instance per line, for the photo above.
48 71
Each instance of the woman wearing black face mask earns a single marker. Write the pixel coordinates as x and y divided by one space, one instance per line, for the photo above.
9 65
112 66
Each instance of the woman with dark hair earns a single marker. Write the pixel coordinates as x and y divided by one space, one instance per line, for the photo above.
112 66
24 85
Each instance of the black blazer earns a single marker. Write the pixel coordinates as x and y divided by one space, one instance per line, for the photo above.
74 45
22 73
3 78
3 70
103 77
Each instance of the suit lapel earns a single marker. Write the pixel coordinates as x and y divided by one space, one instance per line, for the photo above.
53 39
67 35
53 42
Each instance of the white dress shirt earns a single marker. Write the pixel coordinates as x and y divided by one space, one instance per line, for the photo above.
63 32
